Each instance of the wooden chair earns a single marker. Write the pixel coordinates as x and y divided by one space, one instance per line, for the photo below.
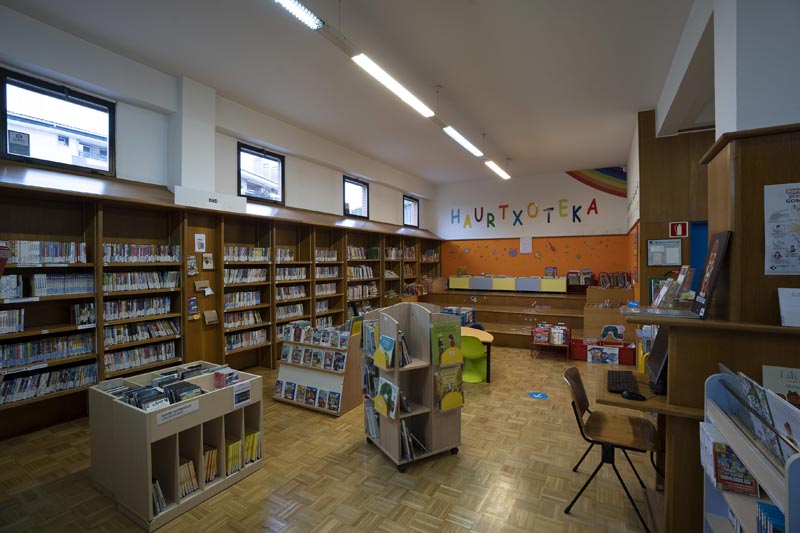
611 432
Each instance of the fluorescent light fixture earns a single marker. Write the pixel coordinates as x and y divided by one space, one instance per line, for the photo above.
460 139
302 13
497 170
392 84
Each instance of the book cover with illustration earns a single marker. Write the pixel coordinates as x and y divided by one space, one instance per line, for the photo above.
730 473
327 361
286 352
718 244
279 388
334 400
448 388
288 390
784 381
386 399
316 359
446 342
786 419
307 334
311 395
307 356
339 359
757 399
300 393
344 338
297 355
322 399
384 353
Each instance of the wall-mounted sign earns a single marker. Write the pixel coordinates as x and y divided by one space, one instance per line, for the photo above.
678 230
664 252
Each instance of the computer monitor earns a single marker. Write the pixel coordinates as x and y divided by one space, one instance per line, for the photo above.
657 362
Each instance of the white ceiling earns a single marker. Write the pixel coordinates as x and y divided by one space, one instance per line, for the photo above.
554 84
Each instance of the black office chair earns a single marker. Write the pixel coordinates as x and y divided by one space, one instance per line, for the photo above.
477 325
612 432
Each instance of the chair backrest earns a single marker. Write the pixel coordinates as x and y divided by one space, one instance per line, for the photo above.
471 347
477 325
579 399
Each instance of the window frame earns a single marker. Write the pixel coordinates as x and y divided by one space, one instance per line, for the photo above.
354 181
260 152
61 92
415 201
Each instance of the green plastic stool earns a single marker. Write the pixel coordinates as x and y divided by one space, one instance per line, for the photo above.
474 360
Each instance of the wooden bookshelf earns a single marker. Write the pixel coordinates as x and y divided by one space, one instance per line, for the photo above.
329 270
297 368
439 431
131 447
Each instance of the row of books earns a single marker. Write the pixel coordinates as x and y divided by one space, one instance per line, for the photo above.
362 291
392 253
187 477
245 275
117 252
721 464
414 289
410 253
290 273
12 321
325 321
139 281
234 300
314 358
139 356
359 272
243 339
390 274
408 271
327 272
210 461
359 308
290 292
324 289
580 277
361 252
225 377
139 331
235 457
325 254
36 252
430 256
242 318
289 311
320 306
769 518
252 445
284 254
333 337
17 389
137 308
82 314
372 421
159 503
308 395
245 253
410 443
45 349
11 286
60 284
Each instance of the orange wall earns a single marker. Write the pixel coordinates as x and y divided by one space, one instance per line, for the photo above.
604 253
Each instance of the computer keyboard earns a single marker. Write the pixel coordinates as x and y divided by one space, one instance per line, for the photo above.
622 380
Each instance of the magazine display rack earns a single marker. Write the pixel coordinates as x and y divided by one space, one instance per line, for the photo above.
779 486
421 429
132 448
318 369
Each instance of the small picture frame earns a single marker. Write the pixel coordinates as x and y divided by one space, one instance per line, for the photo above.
208 261
199 242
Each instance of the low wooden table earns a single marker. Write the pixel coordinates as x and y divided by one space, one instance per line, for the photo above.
486 338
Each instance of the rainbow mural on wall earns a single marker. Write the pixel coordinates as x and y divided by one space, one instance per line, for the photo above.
612 180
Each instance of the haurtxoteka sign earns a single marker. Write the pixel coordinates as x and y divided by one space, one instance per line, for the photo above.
584 202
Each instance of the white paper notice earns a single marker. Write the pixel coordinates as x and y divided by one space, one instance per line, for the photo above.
241 393
673 256
199 242
208 291
789 302
526 245
782 229
177 411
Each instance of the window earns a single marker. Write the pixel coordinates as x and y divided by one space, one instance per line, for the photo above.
261 174
53 125
356 197
410 211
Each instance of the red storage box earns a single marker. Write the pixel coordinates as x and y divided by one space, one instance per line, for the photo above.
627 355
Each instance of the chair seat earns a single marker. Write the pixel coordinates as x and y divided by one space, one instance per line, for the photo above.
629 432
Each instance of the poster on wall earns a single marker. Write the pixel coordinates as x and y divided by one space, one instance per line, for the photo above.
782 229
526 245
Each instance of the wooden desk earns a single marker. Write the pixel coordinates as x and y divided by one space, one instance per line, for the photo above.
486 338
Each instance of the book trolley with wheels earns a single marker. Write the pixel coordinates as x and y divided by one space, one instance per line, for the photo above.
131 449
780 485
422 429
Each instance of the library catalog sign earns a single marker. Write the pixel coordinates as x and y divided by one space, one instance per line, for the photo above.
782 229
550 205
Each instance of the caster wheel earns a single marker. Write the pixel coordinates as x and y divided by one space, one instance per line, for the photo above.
367 439
402 468
454 451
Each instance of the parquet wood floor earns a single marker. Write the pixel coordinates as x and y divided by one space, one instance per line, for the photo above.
512 473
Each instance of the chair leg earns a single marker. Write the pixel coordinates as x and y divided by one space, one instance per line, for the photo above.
575 499
575 468
630 498
634 469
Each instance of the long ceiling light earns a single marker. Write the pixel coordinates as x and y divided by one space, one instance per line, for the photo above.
392 84
460 139
302 13
497 170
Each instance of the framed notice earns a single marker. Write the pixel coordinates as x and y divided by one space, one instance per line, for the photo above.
664 252
782 229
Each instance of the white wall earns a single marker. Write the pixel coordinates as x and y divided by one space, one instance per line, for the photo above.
530 198
633 179
141 144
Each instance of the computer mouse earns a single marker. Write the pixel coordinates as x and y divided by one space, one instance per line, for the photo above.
630 395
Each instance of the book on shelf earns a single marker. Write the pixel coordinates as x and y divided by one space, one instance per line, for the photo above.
371 420
300 393
289 390
384 353
233 455
322 399
369 377
210 461
769 518
311 395
721 464
252 438
407 446
717 246
278 388
786 420
386 398
334 401
785 382
448 386
446 342
187 477
159 503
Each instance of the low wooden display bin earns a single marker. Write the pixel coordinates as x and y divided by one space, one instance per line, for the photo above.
603 309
